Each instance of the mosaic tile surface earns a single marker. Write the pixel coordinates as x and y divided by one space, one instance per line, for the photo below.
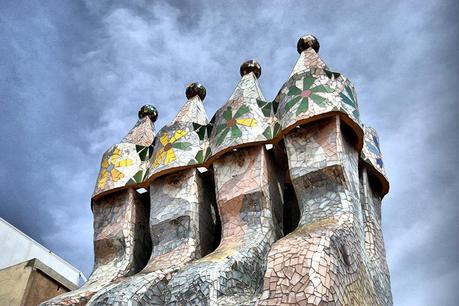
249 205
126 163
312 92
182 230
121 244
374 241
297 222
180 208
372 156
183 142
245 118
322 262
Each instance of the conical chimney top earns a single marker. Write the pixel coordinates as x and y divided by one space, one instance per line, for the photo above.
250 66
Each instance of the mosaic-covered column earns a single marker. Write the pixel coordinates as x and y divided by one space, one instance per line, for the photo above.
181 223
248 198
373 186
121 240
322 262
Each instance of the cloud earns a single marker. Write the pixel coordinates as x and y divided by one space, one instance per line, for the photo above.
73 75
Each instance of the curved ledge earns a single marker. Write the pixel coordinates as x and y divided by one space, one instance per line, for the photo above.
316 94
122 165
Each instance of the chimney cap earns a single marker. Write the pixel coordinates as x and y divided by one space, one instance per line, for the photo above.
150 111
195 89
250 66
307 41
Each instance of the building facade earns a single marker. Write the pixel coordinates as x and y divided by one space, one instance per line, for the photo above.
30 273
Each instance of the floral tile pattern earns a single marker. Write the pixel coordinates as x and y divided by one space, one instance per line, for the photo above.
246 117
166 154
313 91
144 154
183 142
232 123
306 94
110 167
127 162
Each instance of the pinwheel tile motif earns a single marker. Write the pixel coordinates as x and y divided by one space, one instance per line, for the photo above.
313 93
177 145
245 118
237 124
119 164
233 122
145 153
269 110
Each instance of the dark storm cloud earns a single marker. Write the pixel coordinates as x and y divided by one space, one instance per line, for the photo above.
45 168
74 74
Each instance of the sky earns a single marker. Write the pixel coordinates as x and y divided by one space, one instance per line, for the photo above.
73 75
